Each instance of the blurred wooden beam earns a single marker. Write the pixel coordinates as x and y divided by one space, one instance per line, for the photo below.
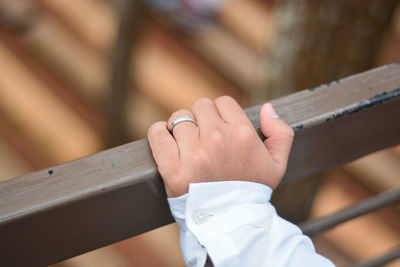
41 116
232 57
186 78
379 171
87 71
53 80
93 22
10 164
170 75
251 21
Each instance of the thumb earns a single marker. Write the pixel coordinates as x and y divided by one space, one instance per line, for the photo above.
279 135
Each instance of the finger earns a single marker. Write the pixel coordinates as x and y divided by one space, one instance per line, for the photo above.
185 133
230 110
279 135
206 114
163 146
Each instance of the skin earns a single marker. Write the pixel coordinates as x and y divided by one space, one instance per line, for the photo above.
223 146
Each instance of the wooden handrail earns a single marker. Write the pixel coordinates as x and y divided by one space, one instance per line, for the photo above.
66 210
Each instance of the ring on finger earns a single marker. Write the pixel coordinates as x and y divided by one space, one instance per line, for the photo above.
180 120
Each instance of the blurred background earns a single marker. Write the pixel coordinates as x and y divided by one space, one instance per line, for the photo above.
77 77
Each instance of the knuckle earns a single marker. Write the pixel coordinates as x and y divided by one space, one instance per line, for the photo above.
215 136
160 138
155 128
201 101
224 100
182 111
199 160
244 132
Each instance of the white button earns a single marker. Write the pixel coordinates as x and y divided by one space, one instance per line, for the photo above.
200 216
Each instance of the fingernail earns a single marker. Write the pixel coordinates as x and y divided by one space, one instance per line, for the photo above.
271 111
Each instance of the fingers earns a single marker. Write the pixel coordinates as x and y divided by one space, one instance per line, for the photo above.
279 135
163 146
206 114
185 133
230 110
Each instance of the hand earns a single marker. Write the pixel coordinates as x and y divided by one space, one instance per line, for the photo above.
223 146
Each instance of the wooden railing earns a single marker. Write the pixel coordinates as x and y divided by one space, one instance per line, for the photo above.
66 210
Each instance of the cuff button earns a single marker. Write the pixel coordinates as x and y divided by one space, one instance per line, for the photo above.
200 216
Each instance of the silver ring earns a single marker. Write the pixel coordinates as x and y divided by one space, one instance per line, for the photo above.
182 119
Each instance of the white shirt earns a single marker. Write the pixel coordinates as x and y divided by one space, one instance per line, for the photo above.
236 225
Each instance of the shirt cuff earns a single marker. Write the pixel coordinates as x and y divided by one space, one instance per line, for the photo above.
213 209
177 206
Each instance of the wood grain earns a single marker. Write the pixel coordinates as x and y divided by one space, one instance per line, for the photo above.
69 209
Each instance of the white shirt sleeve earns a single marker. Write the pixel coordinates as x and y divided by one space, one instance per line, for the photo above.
235 224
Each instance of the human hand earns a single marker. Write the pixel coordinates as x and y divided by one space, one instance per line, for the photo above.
224 146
